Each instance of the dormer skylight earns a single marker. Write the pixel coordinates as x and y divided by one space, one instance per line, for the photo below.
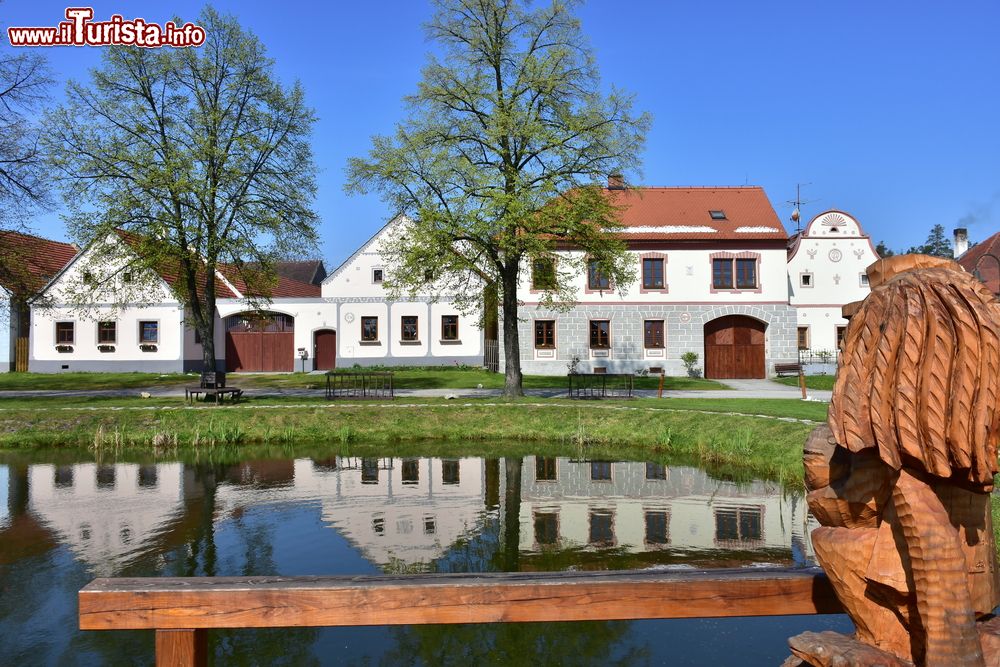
717 215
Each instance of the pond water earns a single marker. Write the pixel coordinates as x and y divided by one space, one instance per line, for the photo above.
63 524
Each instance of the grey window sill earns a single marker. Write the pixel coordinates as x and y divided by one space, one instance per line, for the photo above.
409 342
450 342
370 342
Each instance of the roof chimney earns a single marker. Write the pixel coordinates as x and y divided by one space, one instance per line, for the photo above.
616 182
961 241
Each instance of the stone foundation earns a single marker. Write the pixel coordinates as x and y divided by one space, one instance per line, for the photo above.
684 332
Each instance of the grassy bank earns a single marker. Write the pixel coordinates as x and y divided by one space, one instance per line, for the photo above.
407 377
739 446
812 381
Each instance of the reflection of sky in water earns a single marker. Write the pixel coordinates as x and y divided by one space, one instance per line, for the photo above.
67 524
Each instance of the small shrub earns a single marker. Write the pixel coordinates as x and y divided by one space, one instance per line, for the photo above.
690 360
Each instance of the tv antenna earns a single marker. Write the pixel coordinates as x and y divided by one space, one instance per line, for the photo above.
797 205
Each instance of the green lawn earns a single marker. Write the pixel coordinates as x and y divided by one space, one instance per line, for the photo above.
812 381
414 377
733 445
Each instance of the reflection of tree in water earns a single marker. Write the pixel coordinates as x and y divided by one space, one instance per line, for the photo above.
591 643
495 548
253 555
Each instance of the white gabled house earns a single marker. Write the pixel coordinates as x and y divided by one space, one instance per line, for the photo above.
826 269
133 322
412 331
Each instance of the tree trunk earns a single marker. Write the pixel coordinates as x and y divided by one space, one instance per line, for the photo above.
512 513
511 340
207 332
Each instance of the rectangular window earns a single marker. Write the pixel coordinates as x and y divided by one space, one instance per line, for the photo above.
449 472
602 528
742 524
369 471
369 329
653 334
546 528
105 477
803 338
149 332
864 280
411 471
449 327
841 332
746 273
377 276
545 469
408 327
600 334
543 274
805 280
65 333
652 273
107 333
722 273
600 471
657 528
147 477
596 280
656 471
545 334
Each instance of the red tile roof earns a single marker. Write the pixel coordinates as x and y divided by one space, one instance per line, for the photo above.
27 263
976 258
682 213
284 288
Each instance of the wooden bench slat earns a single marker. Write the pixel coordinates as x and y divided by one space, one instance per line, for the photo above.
267 602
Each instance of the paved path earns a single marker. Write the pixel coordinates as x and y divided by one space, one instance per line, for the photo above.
756 389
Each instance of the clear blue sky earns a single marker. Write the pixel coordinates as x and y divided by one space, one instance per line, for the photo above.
891 110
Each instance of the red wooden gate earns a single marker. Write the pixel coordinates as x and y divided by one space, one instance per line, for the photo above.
260 342
734 348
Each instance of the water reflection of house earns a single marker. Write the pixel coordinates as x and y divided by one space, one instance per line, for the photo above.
646 507
398 512
106 513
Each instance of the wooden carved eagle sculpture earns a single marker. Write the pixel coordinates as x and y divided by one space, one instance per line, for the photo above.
900 480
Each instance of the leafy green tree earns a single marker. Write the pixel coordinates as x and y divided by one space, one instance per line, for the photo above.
883 250
937 244
199 155
498 160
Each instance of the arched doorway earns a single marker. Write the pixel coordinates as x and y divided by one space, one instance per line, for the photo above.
325 350
734 348
260 342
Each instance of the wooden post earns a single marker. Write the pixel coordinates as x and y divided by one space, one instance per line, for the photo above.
802 382
181 648
659 392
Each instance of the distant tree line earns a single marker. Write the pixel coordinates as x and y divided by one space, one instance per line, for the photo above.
936 245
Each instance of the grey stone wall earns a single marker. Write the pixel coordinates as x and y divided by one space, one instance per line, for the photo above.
684 332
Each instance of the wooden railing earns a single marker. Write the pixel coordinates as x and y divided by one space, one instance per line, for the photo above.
359 385
600 385
180 610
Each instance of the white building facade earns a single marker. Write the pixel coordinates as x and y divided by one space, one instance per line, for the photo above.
826 269
711 279
373 330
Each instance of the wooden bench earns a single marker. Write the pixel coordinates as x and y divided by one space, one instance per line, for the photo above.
787 369
213 384
180 610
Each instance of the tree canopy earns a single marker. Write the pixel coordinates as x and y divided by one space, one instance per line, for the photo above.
199 154
499 159
936 245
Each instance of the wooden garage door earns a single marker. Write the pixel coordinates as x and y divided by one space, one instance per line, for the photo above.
260 342
734 348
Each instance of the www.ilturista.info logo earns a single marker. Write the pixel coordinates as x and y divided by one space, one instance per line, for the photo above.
80 30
